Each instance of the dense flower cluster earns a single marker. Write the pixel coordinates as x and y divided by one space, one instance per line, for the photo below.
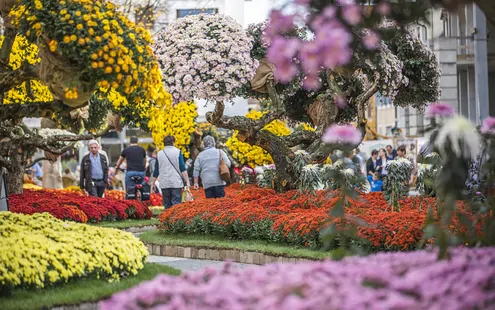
205 56
297 218
39 251
254 155
107 48
177 120
386 281
75 206
23 51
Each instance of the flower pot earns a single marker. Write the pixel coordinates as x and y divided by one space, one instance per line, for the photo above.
59 74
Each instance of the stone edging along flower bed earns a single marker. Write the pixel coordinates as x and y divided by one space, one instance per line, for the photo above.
85 306
238 256
140 229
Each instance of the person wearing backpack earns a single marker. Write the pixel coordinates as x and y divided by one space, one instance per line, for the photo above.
170 169
212 165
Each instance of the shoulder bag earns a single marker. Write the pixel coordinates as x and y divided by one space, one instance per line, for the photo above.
223 169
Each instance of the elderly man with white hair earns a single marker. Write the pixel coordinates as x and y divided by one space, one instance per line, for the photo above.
94 171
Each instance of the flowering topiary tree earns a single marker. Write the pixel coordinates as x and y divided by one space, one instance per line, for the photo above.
72 62
396 67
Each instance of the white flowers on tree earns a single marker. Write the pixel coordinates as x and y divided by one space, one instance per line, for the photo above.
396 184
50 132
205 57
459 136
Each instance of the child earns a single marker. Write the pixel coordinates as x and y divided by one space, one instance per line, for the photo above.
376 184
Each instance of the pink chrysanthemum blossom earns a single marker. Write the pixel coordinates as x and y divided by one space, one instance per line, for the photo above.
488 127
342 134
439 109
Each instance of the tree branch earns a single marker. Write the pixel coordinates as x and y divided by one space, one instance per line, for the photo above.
299 137
31 109
75 138
37 160
277 111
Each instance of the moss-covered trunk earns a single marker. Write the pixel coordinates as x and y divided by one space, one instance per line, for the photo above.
15 174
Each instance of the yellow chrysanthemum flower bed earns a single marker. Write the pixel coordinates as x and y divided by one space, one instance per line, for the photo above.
38 250
177 120
255 155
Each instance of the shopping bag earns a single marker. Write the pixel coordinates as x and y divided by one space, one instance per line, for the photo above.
187 196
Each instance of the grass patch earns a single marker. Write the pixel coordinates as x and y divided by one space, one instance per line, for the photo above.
128 223
156 212
78 291
216 242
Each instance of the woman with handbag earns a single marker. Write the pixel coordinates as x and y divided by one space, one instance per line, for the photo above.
212 165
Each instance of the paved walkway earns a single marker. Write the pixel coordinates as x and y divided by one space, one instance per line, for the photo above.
188 264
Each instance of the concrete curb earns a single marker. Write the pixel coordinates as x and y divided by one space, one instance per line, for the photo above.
238 256
136 230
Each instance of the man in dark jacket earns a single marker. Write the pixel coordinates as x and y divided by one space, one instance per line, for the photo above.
94 171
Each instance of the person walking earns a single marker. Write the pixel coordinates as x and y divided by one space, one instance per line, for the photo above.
371 165
170 170
381 163
207 165
94 171
135 157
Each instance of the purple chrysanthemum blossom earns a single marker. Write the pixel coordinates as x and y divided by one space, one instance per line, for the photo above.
342 134
384 8
488 127
352 14
401 280
439 110
371 40
340 102
312 82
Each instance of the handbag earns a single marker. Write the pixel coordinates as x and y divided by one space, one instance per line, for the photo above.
223 169
180 174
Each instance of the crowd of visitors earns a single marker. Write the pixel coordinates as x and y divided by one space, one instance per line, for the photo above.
376 166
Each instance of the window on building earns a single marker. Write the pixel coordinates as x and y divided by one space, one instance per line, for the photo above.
186 12
446 19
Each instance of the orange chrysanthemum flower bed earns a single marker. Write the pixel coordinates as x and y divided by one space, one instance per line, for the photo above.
296 218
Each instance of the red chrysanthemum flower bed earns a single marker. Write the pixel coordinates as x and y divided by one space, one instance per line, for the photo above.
296 218
75 206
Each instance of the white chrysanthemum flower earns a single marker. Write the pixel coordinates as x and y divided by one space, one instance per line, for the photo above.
463 137
399 161
348 172
339 164
432 155
422 168
311 168
301 152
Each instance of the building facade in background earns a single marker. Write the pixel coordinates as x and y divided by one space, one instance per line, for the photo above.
466 57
